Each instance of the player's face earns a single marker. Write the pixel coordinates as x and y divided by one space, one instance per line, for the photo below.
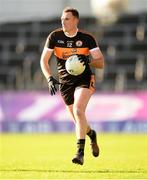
69 22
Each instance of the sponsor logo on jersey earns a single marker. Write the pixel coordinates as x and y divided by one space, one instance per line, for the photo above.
74 50
67 54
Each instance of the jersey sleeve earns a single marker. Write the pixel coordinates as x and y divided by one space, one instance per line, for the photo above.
50 42
92 42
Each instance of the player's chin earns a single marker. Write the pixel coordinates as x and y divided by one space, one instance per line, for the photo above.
65 29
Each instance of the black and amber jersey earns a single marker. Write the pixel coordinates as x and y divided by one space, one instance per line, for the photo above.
65 46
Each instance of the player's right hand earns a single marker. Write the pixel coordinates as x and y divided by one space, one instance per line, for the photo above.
52 82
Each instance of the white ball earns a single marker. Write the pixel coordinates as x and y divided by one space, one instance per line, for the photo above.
74 66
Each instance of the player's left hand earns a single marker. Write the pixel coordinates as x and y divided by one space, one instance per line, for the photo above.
84 59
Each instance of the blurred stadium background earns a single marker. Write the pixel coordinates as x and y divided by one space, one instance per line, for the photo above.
120 102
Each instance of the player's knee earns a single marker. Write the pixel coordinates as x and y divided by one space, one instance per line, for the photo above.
78 112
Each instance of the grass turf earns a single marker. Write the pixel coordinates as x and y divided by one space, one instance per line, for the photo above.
48 156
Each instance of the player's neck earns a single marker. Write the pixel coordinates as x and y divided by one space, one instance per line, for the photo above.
71 33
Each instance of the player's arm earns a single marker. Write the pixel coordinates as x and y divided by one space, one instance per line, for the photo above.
97 59
44 61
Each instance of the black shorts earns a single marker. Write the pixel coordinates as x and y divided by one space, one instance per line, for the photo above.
67 90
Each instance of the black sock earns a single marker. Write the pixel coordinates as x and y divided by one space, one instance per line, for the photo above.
81 146
92 135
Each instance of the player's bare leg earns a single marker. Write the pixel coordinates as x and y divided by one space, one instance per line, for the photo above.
70 110
81 99
91 133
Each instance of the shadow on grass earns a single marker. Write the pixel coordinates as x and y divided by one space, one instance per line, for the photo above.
72 171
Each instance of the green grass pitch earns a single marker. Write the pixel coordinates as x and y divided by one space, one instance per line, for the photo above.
48 156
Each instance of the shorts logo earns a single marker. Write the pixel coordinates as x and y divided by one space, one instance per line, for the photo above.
79 43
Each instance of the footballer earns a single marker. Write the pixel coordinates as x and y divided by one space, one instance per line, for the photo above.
76 91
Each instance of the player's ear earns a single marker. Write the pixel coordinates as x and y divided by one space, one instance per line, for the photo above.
77 20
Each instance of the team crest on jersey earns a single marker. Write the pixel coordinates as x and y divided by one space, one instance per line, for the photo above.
79 43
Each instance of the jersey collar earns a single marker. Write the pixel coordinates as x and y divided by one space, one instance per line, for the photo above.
72 35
